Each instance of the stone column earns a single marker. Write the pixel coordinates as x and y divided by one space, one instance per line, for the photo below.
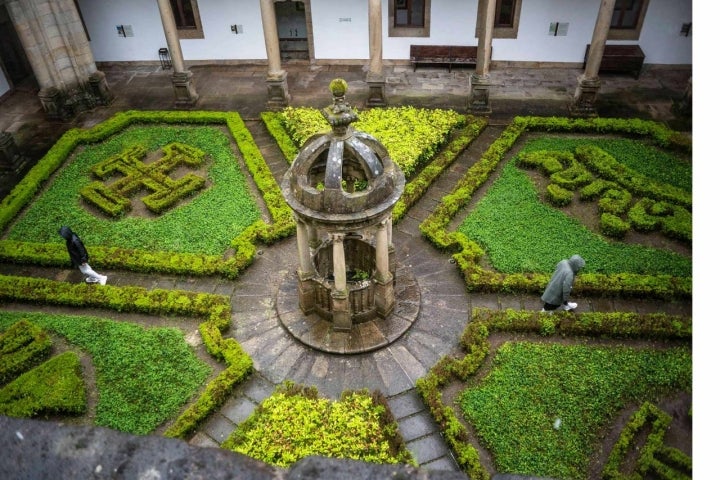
278 96
479 101
306 287
342 320
391 247
384 292
185 94
375 78
382 264
58 51
589 83
313 237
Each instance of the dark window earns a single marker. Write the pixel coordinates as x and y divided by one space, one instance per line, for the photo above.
184 15
506 21
187 18
505 13
409 13
626 14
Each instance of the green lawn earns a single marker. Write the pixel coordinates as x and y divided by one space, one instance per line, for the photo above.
521 233
205 224
531 386
143 375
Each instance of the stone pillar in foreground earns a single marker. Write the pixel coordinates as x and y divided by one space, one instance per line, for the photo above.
278 96
183 87
583 104
479 100
375 77
57 48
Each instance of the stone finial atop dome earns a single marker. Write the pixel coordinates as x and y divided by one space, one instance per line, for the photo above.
344 174
340 114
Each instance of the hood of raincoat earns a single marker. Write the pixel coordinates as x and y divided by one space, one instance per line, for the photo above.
576 263
65 232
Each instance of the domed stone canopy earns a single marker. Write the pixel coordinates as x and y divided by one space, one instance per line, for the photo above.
342 187
343 176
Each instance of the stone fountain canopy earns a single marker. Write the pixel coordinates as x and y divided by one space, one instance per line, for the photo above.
318 185
342 187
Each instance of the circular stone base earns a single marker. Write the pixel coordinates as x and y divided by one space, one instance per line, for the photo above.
318 333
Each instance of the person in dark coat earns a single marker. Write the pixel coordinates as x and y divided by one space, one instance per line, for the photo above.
557 292
79 256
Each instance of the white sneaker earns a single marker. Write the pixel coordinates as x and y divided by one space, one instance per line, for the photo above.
549 312
91 280
570 306
103 279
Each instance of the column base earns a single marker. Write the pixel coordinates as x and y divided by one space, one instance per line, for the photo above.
585 97
99 88
306 293
385 296
185 94
52 101
342 320
376 94
278 94
479 100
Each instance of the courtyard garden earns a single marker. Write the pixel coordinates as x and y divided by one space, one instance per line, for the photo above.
562 396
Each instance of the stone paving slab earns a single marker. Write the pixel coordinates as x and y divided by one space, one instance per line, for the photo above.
219 428
417 426
427 449
237 410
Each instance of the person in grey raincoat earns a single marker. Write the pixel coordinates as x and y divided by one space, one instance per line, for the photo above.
79 256
557 292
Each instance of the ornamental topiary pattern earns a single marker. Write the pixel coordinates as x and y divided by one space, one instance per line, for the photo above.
114 199
598 176
32 383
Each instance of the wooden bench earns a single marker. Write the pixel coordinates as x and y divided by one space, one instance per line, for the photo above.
443 54
620 58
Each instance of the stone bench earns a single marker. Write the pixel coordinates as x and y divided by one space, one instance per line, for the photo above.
620 58
443 54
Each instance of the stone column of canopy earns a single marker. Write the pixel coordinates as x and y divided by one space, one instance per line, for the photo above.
306 271
342 321
384 291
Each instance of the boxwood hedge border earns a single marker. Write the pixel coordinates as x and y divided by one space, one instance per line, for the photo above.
213 309
53 254
468 254
475 347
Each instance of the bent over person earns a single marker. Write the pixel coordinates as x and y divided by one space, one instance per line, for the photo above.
557 292
79 256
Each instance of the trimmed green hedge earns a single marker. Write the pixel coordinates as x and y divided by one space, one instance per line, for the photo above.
294 422
215 309
475 347
22 346
151 261
54 387
665 462
470 256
